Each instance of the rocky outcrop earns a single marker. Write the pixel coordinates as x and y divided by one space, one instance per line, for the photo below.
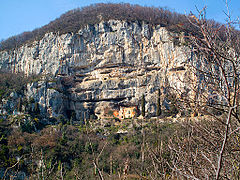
102 66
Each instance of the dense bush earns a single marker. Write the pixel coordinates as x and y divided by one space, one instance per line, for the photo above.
76 149
11 82
151 150
16 82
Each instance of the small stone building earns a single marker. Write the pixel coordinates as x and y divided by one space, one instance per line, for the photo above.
126 112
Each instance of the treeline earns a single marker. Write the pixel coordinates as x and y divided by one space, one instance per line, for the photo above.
75 19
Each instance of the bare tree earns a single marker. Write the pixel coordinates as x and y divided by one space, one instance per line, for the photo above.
209 147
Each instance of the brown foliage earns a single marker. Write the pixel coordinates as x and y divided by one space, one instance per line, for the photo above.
47 139
75 19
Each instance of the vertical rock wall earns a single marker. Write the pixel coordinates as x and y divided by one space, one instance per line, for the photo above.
111 63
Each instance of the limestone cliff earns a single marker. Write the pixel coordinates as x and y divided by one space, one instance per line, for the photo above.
103 65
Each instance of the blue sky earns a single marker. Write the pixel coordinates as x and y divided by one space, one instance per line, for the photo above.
17 16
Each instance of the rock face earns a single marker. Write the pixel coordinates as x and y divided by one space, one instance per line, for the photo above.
101 66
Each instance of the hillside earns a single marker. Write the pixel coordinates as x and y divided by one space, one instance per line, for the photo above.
120 91
76 19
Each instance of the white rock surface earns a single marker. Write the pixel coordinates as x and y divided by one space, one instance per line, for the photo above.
114 61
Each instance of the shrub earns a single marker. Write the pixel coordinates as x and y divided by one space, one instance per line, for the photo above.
143 105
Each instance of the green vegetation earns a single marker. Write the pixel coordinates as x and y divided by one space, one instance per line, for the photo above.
11 82
85 151
143 105
206 147
76 148
19 106
36 109
14 82
159 112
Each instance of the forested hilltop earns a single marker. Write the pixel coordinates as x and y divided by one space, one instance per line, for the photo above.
73 20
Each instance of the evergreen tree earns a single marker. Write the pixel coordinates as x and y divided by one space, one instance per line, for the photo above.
36 108
159 111
143 105
73 117
19 106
